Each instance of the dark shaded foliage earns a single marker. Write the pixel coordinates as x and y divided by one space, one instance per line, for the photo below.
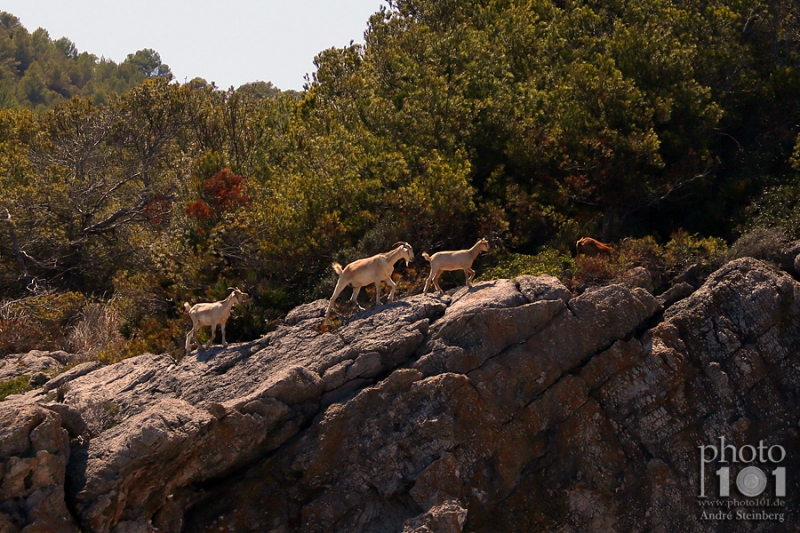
531 123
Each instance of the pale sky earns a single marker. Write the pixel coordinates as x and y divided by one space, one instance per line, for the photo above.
230 43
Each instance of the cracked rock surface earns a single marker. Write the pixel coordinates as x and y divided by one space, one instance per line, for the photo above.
513 406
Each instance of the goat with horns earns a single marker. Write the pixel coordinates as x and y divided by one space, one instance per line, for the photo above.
370 270
457 260
212 314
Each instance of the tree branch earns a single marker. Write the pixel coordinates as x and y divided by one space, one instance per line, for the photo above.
17 252
119 217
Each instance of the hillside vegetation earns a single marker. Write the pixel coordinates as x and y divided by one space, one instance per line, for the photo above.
38 73
531 122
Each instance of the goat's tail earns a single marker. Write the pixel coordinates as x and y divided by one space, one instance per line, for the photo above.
426 256
337 267
187 306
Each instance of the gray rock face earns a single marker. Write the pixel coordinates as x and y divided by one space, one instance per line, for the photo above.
638 277
75 372
34 451
31 363
513 406
790 258
675 293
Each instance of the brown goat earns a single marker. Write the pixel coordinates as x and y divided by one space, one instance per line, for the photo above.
592 247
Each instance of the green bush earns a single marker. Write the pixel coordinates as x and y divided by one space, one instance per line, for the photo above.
547 261
777 207
684 249
760 243
38 322
598 270
17 385
664 262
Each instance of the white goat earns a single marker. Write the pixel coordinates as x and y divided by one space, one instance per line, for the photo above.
370 270
458 260
212 314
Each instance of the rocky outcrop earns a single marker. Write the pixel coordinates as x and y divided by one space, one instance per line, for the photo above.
32 363
34 450
513 406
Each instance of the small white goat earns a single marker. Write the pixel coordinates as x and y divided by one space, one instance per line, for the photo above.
212 314
370 270
458 260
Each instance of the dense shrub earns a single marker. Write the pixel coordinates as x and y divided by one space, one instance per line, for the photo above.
760 243
17 385
778 206
530 123
664 262
39 322
547 261
97 328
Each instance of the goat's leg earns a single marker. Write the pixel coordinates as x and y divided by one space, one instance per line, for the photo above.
213 335
354 297
436 281
469 273
377 293
224 342
189 337
336 292
428 283
393 285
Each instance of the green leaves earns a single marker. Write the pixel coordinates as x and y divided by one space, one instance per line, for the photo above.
533 121
38 73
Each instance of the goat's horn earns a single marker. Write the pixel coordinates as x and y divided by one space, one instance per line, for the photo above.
399 243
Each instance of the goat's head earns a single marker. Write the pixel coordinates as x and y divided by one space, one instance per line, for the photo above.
406 252
483 245
239 297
